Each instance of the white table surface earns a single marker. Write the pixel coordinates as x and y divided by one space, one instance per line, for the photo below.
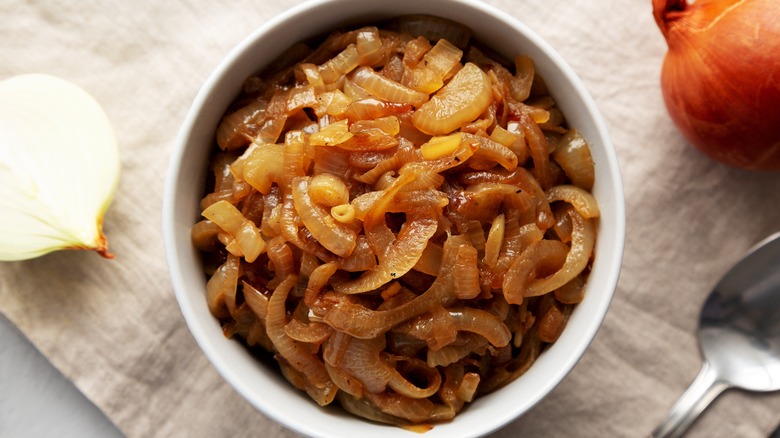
37 401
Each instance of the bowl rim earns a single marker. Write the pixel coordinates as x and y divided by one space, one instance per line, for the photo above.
201 333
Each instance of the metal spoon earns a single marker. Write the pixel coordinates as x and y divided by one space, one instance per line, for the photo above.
739 336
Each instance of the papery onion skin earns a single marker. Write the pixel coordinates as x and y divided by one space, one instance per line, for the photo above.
721 77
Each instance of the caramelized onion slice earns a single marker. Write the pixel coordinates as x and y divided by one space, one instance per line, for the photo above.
386 89
362 322
362 359
462 100
467 284
292 351
246 235
466 344
336 237
533 261
583 236
582 201
573 155
401 257
482 323
419 369
495 240
221 288
362 407
410 409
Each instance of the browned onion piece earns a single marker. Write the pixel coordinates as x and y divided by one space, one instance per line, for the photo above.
364 323
544 216
466 344
495 240
292 351
535 260
335 347
312 333
248 241
493 151
562 225
418 369
572 292
482 323
405 153
468 387
361 259
430 260
584 202
280 254
573 155
551 324
336 237
288 221
323 395
438 64
437 328
466 273
400 259
344 381
369 46
537 145
296 157
256 300
412 409
370 108
317 280
362 360
221 288
204 235
362 407
583 236
518 238
237 128
386 89
341 64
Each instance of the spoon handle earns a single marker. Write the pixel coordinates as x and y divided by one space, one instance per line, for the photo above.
705 387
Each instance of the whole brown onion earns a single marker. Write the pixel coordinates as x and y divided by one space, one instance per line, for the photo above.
721 77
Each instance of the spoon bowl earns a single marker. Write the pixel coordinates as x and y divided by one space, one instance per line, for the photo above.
739 336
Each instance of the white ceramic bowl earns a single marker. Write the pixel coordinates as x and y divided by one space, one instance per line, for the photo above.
264 387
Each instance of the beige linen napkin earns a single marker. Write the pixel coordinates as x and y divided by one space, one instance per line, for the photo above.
113 326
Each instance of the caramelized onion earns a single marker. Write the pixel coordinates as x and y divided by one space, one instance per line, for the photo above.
483 323
365 323
462 100
581 200
539 257
419 369
409 220
401 257
334 236
386 89
292 351
573 155
221 288
583 236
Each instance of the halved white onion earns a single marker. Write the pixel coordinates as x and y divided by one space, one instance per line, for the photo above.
59 168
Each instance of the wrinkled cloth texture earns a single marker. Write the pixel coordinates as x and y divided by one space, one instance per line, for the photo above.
114 328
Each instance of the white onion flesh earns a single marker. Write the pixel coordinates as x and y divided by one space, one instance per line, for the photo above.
59 167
